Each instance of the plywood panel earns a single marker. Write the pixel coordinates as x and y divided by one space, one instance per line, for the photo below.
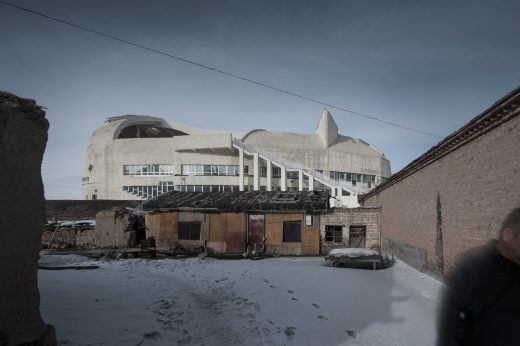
274 227
168 229
152 222
217 227
235 235
310 241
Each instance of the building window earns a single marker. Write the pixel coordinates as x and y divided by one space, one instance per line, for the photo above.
94 197
85 179
276 172
292 231
308 219
147 170
188 230
222 170
293 175
149 191
353 177
333 234
206 188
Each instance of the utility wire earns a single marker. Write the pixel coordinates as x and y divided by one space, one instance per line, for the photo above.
288 92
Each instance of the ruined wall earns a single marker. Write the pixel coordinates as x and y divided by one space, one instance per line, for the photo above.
346 217
23 137
114 229
455 203
70 239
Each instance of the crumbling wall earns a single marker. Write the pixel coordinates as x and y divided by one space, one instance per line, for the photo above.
114 229
346 217
23 137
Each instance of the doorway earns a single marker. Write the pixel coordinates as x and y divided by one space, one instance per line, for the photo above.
357 236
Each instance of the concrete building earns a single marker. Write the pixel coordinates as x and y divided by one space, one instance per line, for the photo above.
139 157
456 195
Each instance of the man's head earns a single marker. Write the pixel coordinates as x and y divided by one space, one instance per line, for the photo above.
510 237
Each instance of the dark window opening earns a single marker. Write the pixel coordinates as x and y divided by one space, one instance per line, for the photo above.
333 234
188 230
149 131
292 231
94 197
357 236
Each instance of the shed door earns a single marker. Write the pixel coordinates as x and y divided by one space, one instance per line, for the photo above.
256 232
357 235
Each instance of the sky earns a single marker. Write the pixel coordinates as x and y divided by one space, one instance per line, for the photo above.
429 65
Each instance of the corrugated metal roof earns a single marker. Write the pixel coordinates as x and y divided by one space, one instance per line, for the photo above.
245 201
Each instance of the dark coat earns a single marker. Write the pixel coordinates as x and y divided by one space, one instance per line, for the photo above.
481 305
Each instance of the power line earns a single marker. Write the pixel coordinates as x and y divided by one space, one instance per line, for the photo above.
288 92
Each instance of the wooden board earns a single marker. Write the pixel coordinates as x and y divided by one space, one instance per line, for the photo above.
235 235
311 241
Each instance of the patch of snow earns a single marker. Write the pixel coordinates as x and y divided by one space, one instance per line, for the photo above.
277 301
352 252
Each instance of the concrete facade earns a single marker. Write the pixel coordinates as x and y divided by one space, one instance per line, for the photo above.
202 160
456 195
23 137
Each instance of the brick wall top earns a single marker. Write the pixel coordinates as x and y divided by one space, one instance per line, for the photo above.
505 109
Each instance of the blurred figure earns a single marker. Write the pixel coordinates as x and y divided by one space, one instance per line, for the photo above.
481 305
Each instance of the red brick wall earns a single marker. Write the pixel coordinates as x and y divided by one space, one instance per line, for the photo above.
477 185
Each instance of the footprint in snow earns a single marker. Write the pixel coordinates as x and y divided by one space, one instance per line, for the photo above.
295 299
267 281
272 286
289 332
291 292
317 306
351 333
323 318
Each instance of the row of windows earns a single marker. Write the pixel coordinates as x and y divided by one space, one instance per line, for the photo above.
150 191
232 170
353 177
207 188
148 170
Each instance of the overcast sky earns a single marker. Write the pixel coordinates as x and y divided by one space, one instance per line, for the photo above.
430 65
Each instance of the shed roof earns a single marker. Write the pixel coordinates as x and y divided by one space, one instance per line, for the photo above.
244 201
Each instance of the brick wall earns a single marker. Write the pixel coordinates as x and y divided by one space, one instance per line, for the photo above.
368 217
454 203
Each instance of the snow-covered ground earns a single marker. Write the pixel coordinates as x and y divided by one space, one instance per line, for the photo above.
278 301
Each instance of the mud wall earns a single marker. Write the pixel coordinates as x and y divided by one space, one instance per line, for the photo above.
23 137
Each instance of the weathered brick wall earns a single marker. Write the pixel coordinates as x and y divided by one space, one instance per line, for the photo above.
462 197
345 217
70 238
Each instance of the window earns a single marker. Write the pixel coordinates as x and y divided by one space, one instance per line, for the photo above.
292 231
94 197
333 234
292 175
225 170
308 219
149 191
188 230
147 170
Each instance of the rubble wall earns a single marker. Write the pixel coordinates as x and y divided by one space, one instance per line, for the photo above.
23 137
346 217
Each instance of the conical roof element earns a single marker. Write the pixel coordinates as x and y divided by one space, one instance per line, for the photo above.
327 128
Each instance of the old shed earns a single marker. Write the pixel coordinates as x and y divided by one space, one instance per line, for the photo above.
278 223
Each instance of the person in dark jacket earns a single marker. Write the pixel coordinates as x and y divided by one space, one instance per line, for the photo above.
481 304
